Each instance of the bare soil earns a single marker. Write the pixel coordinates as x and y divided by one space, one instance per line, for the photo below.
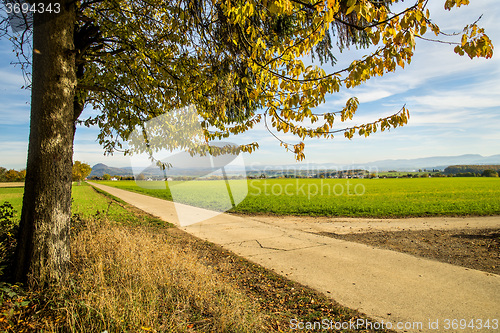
12 184
472 248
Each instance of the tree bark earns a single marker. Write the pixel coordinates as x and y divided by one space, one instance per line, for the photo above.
43 251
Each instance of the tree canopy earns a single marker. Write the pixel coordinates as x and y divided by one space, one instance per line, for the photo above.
231 58
242 62
80 171
489 173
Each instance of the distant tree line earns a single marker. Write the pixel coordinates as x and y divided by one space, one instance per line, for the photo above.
109 177
12 175
473 170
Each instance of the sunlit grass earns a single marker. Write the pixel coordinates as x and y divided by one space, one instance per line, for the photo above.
86 202
375 197
131 279
13 195
342 197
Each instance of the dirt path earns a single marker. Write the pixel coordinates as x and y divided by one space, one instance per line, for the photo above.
389 286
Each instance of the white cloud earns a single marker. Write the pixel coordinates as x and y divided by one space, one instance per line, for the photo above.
12 78
13 113
13 154
453 100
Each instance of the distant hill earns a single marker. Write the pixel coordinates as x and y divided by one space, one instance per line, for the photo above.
428 163
435 162
100 169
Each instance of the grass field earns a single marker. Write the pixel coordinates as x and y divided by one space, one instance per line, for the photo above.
86 202
346 197
13 195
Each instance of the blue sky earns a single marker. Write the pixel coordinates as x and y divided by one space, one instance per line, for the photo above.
454 105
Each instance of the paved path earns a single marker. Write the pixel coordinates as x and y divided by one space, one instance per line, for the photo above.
388 286
12 184
348 225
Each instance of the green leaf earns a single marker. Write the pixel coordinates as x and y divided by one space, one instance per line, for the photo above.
350 9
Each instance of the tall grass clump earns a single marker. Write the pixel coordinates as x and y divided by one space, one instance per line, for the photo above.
131 279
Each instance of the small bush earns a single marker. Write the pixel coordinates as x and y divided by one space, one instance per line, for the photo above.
466 174
8 236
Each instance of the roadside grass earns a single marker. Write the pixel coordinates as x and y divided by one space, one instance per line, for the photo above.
13 195
403 197
133 279
131 274
90 202
87 203
127 276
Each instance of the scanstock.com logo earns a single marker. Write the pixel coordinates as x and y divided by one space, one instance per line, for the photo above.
200 184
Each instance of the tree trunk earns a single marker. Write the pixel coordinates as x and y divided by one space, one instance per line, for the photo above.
43 251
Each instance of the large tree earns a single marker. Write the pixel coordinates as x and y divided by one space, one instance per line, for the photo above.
43 242
239 62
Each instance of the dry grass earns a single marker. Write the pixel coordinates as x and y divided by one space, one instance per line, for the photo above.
132 279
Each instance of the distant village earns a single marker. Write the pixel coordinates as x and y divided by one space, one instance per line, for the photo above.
342 174
277 174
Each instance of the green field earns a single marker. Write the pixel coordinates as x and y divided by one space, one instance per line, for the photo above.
403 197
14 195
86 202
